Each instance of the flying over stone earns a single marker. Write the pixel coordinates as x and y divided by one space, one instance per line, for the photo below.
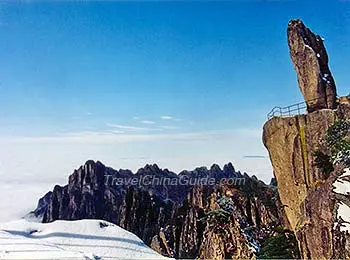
310 60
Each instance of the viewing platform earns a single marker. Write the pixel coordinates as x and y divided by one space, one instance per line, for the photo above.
292 110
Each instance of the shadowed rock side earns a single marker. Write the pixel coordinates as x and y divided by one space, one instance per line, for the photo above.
171 219
91 194
310 60
305 190
305 155
197 230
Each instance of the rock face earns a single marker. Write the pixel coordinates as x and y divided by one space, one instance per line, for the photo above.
172 219
305 155
306 191
291 143
91 194
191 233
311 63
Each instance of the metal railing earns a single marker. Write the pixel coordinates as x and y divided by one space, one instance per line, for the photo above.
292 110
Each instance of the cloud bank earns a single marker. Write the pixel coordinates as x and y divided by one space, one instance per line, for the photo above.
30 166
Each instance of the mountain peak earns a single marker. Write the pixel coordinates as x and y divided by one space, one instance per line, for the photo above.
215 167
229 168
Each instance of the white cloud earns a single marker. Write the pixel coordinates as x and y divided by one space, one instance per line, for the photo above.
49 160
17 207
131 128
169 127
126 127
117 132
166 117
136 134
257 133
102 137
148 122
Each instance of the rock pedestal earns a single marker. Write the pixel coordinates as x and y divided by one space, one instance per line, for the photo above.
310 60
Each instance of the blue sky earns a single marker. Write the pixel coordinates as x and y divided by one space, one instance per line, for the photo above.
181 84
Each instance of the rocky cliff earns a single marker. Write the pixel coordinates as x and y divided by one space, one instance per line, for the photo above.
310 154
137 206
200 227
310 60
186 220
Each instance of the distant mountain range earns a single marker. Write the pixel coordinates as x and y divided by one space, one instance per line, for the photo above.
169 211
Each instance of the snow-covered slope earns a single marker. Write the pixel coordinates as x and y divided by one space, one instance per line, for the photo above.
81 239
342 186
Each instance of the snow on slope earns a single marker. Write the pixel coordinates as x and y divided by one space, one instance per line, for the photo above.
342 186
80 239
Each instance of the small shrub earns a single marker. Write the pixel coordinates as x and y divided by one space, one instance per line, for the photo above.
219 218
337 147
226 204
323 162
338 137
337 132
282 245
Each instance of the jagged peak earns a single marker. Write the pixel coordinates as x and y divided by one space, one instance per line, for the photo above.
93 163
90 161
201 168
229 168
253 177
57 187
295 21
89 164
151 167
154 169
215 167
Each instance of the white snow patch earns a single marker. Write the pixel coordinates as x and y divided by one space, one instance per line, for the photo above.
326 80
344 213
342 186
81 239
